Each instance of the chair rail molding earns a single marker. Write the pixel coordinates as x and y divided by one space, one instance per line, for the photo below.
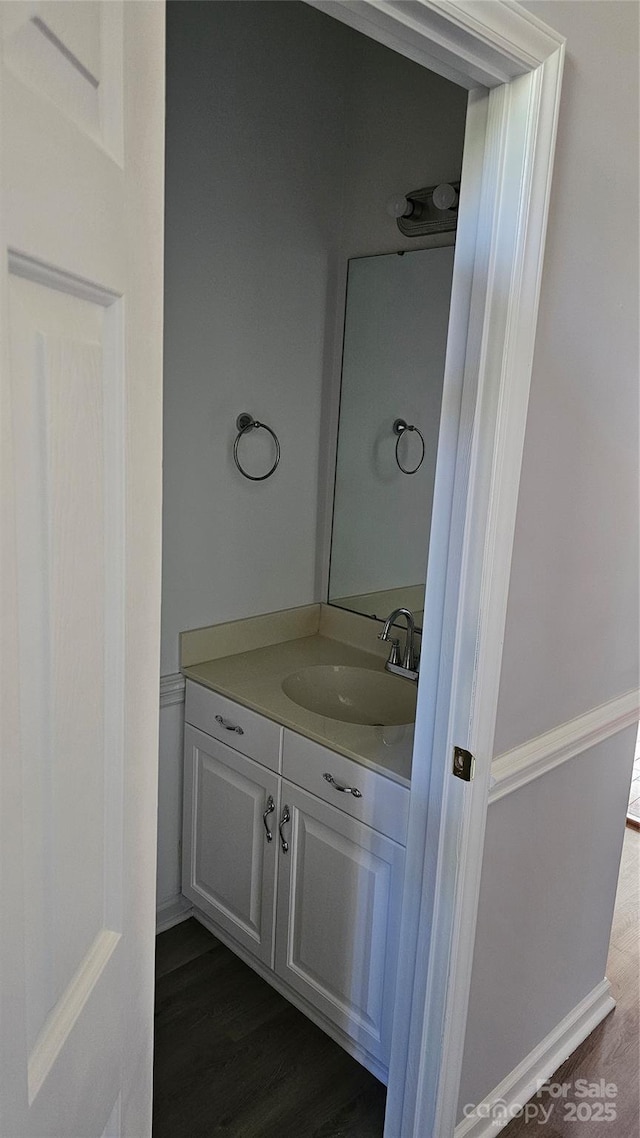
521 765
171 689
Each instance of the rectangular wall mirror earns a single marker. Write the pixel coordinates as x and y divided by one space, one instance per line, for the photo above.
397 313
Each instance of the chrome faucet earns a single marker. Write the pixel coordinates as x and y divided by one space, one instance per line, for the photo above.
406 666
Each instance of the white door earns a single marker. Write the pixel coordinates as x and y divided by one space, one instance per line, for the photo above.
230 840
339 898
81 169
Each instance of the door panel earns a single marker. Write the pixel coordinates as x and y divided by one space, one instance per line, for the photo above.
70 52
229 863
66 403
339 896
81 333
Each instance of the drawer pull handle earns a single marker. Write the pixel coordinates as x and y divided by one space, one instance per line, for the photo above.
270 808
352 790
229 726
286 817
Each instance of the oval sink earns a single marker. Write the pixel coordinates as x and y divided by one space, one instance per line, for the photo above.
353 695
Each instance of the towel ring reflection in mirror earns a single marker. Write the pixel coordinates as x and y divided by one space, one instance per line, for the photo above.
246 423
399 429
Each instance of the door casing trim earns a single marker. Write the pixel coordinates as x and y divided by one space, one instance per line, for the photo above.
511 63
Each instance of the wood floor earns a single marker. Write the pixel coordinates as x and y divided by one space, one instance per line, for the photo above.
234 1058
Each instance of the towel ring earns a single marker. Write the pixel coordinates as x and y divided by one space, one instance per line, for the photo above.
399 428
245 423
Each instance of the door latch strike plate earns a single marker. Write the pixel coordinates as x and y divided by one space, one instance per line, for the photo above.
463 764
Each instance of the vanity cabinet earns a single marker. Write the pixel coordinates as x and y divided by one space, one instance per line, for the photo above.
237 726
338 917
307 886
229 866
353 788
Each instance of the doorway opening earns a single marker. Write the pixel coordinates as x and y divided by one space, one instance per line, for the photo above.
287 134
71 122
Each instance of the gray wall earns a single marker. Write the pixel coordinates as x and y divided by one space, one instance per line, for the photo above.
254 168
405 129
571 638
279 165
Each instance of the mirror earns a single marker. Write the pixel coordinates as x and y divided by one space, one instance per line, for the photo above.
397 312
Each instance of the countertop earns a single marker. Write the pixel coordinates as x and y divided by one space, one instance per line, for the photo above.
254 679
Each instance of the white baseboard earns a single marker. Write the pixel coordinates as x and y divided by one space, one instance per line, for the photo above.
497 1109
172 912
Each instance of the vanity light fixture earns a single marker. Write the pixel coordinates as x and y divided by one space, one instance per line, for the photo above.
433 209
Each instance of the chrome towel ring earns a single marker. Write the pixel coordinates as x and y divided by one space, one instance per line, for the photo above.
399 428
245 423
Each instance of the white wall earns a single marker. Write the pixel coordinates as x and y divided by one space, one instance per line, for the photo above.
549 876
571 638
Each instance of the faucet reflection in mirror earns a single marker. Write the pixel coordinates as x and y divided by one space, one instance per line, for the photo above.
396 321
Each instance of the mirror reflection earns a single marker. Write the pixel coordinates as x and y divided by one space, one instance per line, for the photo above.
396 319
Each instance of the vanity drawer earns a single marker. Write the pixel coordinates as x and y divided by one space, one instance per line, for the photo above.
384 804
233 724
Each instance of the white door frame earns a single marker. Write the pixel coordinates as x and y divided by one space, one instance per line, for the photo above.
512 64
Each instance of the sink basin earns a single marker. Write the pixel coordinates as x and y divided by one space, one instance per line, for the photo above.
353 695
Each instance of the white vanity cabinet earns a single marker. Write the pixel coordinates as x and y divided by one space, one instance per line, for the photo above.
301 873
338 917
229 863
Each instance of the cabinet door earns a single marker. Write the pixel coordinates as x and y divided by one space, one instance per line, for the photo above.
229 863
339 897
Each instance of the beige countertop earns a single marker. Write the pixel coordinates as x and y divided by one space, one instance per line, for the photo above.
254 679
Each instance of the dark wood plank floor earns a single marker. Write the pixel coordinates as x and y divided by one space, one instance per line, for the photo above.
234 1058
